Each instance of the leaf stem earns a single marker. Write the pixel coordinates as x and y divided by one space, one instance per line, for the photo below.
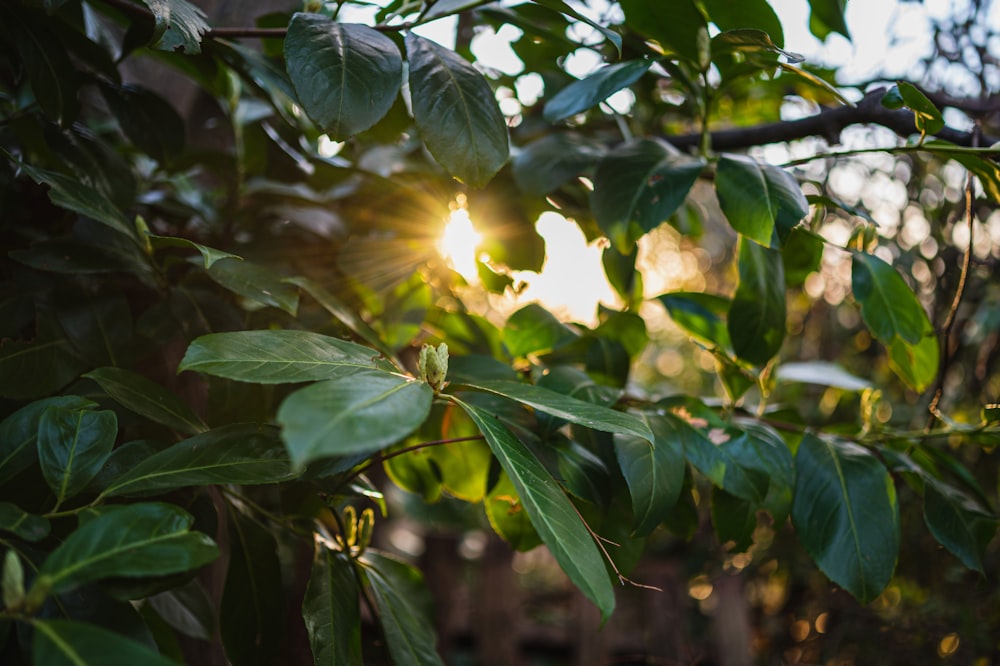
382 457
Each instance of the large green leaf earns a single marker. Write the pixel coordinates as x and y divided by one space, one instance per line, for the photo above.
533 329
678 26
276 356
209 255
26 526
827 16
147 398
346 75
653 471
363 411
251 617
72 194
179 25
34 369
746 14
590 91
256 283
73 444
332 612
702 315
888 306
456 112
756 319
958 523
565 407
149 120
19 433
554 160
238 453
149 539
69 643
403 610
341 311
555 518
846 514
639 186
917 365
756 446
759 200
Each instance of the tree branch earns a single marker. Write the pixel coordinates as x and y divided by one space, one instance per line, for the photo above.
828 123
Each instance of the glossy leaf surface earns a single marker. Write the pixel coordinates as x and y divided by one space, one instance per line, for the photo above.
760 201
73 444
147 398
756 318
332 611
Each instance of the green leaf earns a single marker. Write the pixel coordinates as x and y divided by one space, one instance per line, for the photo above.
958 523
563 8
734 519
653 471
565 407
147 398
26 526
533 330
759 200
179 26
888 306
187 609
365 410
72 194
331 610
251 617
700 314
19 433
507 516
986 170
147 119
927 117
756 319
639 186
238 453
846 514
590 91
755 14
917 365
455 112
342 312
209 254
554 160
69 643
757 447
801 255
256 283
73 444
827 16
553 515
149 539
346 75
749 41
403 604
12 583
276 356
678 26
47 65
34 369
99 326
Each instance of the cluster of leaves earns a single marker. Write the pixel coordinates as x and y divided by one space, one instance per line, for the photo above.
121 480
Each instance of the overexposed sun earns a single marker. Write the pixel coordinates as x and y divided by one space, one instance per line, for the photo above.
458 244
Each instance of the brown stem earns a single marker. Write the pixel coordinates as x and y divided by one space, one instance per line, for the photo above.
382 457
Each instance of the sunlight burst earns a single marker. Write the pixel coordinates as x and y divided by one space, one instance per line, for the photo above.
459 242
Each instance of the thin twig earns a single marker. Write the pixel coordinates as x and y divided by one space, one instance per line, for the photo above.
599 540
382 457
949 323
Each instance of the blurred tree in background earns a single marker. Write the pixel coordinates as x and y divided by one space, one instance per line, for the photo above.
496 333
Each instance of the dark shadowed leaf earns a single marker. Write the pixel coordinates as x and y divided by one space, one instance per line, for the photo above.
533 329
149 539
187 609
590 91
332 612
208 254
639 186
277 356
456 112
846 514
19 433
251 617
147 398
69 643
73 444
653 471
701 315
150 121
888 306
564 8
679 26
47 64
403 610
756 319
364 411
734 520
24 525
958 523
346 75
747 14
558 523
553 160
759 200
238 453
827 16
256 283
